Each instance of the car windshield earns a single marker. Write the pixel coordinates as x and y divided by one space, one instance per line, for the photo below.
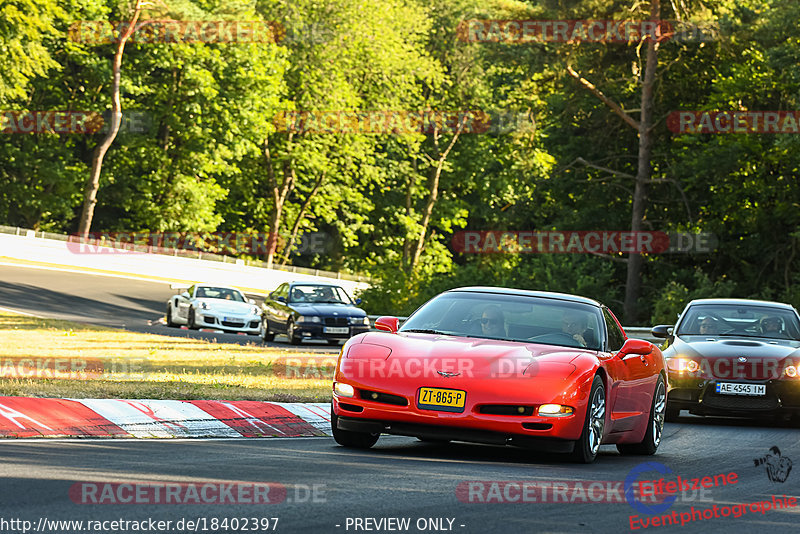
510 317
320 294
740 320
206 292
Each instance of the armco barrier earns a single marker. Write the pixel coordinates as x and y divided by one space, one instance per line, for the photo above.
195 254
29 245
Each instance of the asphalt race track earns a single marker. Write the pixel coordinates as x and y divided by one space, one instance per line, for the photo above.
135 305
329 489
399 478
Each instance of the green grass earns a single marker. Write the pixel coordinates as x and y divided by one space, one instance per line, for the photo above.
53 358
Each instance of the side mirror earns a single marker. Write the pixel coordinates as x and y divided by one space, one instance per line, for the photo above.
663 331
251 301
387 324
186 295
635 346
281 299
358 301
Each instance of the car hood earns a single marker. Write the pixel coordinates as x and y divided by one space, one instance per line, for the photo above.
343 310
226 306
472 357
720 357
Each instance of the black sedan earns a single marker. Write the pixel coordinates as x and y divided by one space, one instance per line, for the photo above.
312 310
733 357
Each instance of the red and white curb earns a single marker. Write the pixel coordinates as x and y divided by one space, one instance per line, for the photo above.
26 417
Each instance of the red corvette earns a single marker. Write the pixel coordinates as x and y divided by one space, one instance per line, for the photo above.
546 371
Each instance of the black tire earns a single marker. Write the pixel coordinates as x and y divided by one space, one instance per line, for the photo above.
170 322
191 320
655 426
587 446
294 340
266 335
347 438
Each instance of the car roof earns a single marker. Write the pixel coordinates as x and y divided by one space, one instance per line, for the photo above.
301 283
526 293
745 302
220 286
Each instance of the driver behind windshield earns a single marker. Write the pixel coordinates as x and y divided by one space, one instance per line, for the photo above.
709 326
574 324
493 323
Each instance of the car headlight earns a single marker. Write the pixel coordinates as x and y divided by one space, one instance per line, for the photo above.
555 410
345 390
683 365
205 306
309 319
360 320
255 310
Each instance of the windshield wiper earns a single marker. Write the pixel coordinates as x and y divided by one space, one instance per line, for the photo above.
425 331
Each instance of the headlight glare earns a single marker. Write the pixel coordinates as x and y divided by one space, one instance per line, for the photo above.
554 410
344 390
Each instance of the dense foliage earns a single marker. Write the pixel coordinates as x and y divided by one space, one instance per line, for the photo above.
213 159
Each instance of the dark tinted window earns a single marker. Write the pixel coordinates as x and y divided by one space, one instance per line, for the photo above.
615 336
510 317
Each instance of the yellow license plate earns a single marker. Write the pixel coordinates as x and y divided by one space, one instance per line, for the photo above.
446 400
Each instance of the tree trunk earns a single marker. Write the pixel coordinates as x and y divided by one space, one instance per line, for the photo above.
633 282
433 193
93 183
300 216
279 191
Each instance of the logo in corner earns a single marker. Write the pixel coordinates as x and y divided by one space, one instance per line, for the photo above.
778 466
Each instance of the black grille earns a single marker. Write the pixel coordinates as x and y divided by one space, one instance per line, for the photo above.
336 321
253 324
386 398
233 324
740 403
505 409
209 320
350 407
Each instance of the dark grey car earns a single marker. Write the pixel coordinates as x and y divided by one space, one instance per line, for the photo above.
733 357
312 310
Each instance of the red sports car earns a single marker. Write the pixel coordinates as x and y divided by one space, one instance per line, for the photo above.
541 370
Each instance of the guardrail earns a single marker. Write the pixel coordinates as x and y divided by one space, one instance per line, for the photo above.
637 332
182 253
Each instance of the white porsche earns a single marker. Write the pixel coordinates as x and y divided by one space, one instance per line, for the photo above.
213 306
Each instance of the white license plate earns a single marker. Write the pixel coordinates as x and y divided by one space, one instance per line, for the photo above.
335 330
729 388
233 319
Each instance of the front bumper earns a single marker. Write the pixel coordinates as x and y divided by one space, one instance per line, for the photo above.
455 433
307 330
248 324
400 414
699 396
